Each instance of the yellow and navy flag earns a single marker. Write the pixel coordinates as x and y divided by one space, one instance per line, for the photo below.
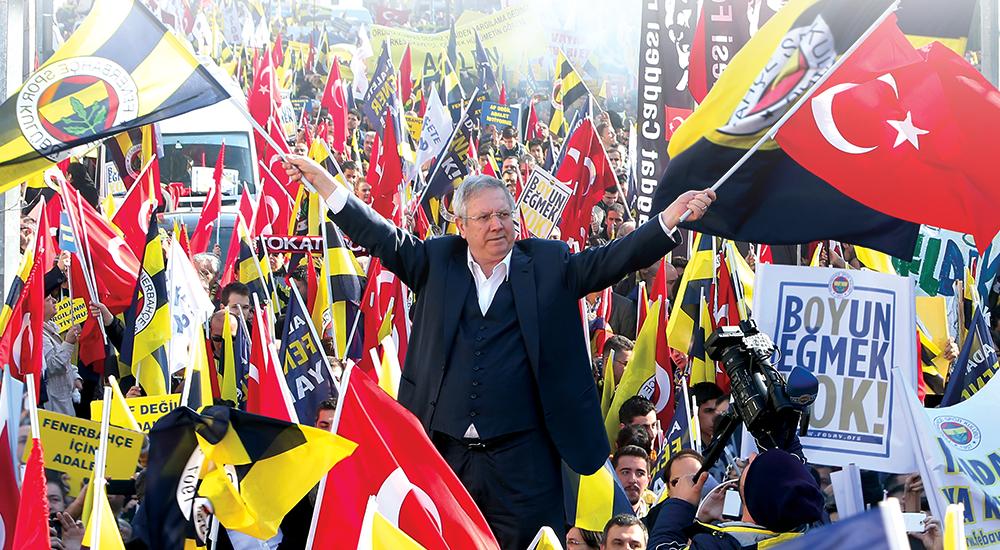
761 82
685 312
702 367
592 500
641 368
676 438
254 270
976 364
344 280
571 85
261 450
452 94
120 69
147 320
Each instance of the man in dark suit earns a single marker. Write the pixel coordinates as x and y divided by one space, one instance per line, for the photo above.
497 371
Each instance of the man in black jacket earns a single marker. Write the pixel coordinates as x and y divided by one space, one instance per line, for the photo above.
496 370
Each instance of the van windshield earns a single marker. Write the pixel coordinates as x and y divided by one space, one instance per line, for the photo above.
190 159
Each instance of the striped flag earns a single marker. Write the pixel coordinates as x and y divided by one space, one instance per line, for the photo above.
119 70
592 500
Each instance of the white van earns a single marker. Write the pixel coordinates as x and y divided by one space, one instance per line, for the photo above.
191 145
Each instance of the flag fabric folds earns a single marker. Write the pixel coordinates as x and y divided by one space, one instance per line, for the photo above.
694 284
11 393
592 500
32 529
760 83
303 362
976 364
211 209
21 332
571 85
120 69
587 171
394 454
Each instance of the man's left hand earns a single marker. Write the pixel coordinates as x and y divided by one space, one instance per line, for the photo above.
695 201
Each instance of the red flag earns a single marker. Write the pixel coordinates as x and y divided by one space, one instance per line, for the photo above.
114 266
278 51
503 95
21 341
267 394
32 530
311 56
274 210
642 307
92 351
585 168
902 131
725 308
660 288
406 75
244 215
372 176
663 390
533 131
603 312
383 295
397 462
182 239
263 100
211 209
335 102
132 217
389 171
9 496
764 254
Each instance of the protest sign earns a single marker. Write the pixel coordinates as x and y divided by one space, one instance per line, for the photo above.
542 202
959 460
500 115
303 244
146 410
66 316
71 443
849 328
413 124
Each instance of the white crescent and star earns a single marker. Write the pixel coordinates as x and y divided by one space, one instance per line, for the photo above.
822 108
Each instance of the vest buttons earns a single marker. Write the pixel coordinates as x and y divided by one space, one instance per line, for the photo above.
475 382
473 396
478 353
482 327
432 403
473 413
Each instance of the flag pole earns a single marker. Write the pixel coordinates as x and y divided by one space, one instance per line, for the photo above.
327 278
32 405
84 257
769 135
99 467
437 164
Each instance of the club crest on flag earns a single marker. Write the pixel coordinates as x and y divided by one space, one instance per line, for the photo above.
149 300
962 433
49 120
803 55
133 161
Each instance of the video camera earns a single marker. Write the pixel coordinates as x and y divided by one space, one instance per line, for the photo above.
770 406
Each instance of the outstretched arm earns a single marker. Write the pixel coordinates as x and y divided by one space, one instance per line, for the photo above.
595 269
400 252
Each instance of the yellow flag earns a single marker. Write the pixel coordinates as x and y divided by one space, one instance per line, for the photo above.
388 368
109 536
641 367
608 391
121 415
546 539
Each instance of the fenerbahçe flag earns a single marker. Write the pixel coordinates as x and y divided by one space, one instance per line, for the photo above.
120 69
772 199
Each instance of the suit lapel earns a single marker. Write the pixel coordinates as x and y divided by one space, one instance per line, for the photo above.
522 283
458 280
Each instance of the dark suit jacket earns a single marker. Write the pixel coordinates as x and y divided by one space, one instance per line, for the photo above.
623 316
547 282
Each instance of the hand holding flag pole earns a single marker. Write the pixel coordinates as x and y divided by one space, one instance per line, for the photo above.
769 135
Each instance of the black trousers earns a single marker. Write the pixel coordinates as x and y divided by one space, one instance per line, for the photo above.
516 480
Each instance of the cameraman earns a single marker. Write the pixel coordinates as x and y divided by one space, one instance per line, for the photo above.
780 499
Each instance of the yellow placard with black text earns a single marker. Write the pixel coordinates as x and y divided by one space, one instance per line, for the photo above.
146 410
70 446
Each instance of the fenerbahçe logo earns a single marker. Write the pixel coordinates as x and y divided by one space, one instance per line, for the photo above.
72 99
960 432
841 285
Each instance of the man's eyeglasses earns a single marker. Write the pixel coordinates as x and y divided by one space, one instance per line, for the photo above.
502 215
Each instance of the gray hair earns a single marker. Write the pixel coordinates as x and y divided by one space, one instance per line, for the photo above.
472 185
209 258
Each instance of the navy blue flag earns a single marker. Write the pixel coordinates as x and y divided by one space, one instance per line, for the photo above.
976 364
381 92
867 530
487 78
241 349
450 168
676 437
304 363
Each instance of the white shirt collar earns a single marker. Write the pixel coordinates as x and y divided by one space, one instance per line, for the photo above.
475 267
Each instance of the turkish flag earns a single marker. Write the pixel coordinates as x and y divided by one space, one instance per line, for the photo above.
335 102
907 133
211 209
9 496
384 296
132 217
533 132
586 170
113 265
395 461
389 174
663 397
267 392
725 307
405 75
21 341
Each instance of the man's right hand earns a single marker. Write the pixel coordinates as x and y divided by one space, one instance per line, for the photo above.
301 168
688 489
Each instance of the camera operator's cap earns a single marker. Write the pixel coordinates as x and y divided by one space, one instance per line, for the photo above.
780 493
54 280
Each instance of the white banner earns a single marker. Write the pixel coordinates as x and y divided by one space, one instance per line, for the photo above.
959 460
849 328
542 202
